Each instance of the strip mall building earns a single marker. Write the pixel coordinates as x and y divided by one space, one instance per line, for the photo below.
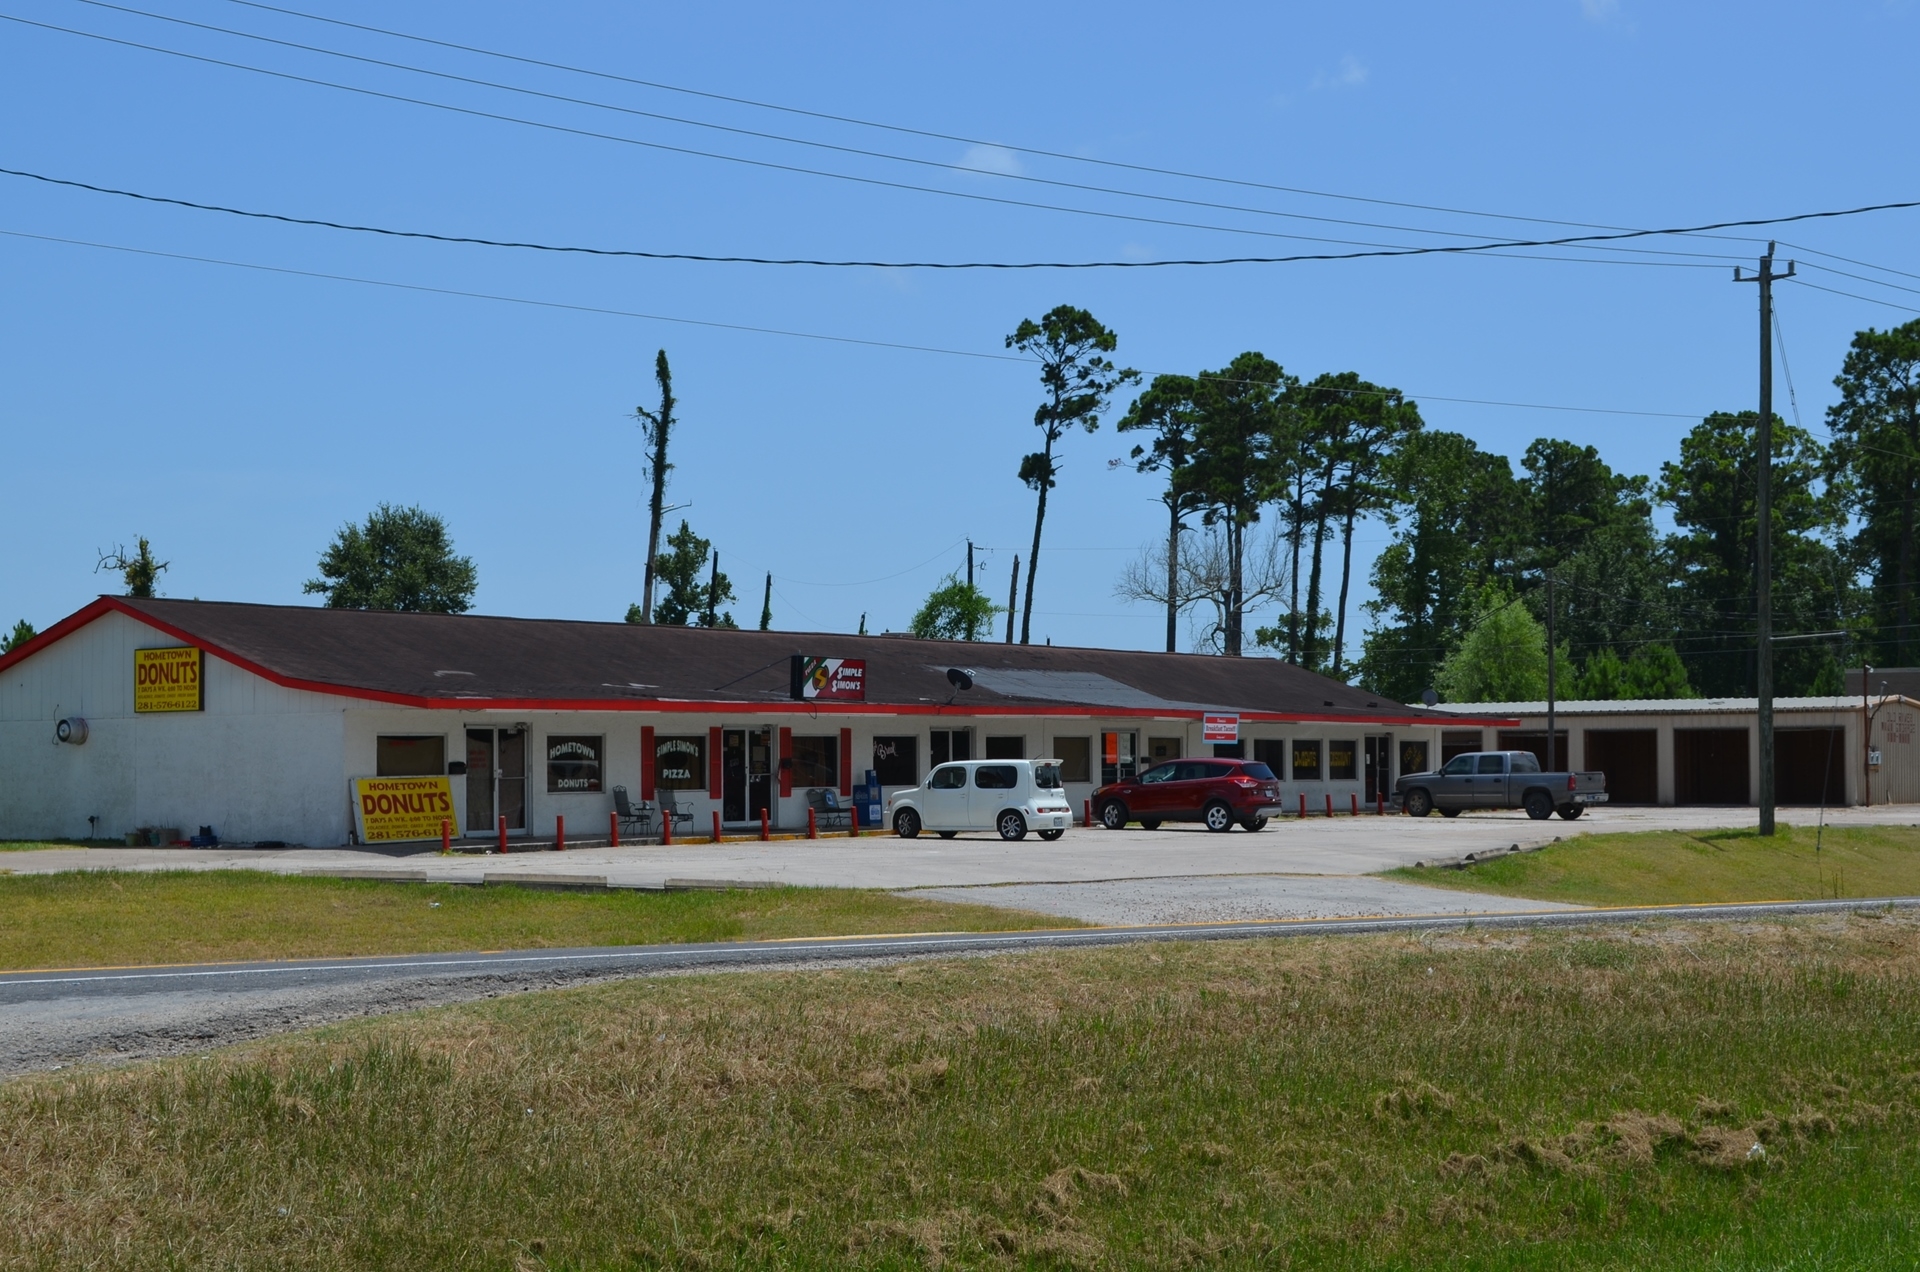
258 720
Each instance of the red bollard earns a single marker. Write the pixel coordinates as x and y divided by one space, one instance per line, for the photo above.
1355 795
503 834
666 824
813 830
853 823
1086 813
765 829
1381 811
1303 805
559 833
1329 803
716 825
446 837
613 830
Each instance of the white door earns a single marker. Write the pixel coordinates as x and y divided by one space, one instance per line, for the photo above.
994 787
943 800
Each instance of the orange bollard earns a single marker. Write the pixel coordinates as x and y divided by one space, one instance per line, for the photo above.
766 831
1355 796
446 837
559 833
613 830
1329 803
503 834
1303 805
813 830
716 825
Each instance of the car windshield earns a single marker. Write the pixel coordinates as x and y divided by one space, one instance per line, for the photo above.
1260 771
996 777
1047 776
1163 773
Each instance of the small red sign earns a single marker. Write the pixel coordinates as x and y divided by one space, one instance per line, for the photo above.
1219 727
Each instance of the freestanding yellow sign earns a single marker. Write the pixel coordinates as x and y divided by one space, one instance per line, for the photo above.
168 679
393 808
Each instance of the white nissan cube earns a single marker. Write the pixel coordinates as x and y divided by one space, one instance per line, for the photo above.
1010 797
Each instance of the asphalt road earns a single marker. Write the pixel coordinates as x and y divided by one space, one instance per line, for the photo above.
53 1018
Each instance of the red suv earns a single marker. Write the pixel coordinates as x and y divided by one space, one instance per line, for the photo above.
1216 792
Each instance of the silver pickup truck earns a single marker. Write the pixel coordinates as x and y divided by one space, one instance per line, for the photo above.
1500 779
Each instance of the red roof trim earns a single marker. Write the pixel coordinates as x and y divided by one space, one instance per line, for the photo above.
114 604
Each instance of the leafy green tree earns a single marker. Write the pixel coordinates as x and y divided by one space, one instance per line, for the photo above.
1652 671
21 634
402 559
1458 524
140 571
689 598
1875 463
1240 415
1711 492
1503 655
1167 410
955 610
1077 378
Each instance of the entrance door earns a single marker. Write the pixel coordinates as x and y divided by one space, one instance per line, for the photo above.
1379 762
746 774
496 780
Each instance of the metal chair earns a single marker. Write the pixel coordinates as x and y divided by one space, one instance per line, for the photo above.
827 811
635 818
682 814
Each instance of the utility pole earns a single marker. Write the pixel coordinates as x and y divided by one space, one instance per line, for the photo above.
1013 598
766 605
712 615
1550 694
1763 530
972 632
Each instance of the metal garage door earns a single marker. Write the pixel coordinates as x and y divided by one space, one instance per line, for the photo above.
1710 767
1629 758
1800 756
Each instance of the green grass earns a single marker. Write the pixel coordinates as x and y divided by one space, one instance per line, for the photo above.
1672 867
41 845
1557 1101
117 918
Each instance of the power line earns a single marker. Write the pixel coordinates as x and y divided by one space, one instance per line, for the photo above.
641 254
1835 291
821 145
1885 269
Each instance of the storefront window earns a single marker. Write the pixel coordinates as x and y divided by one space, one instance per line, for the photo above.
1271 752
1413 757
1076 759
573 763
680 764
1340 761
946 746
409 756
1118 757
816 761
896 761
1306 761
1006 748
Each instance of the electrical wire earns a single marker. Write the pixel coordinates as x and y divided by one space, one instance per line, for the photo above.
1835 291
575 249
1885 269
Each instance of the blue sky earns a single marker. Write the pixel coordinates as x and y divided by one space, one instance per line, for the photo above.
238 417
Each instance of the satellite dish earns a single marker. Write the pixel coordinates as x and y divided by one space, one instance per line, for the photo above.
959 679
1430 697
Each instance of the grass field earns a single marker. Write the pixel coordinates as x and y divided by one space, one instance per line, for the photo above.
1671 867
1553 1100
116 918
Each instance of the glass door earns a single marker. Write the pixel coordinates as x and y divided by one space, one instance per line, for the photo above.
759 773
1380 767
733 775
496 780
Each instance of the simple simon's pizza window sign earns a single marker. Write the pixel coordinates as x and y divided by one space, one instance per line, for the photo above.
168 679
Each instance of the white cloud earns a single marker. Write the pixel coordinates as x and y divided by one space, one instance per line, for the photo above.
1350 73
1600 10
996 159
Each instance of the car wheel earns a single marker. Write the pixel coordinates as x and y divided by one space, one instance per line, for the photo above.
1217 816
1254 823
1012 825
1571 811
948 834
1150 825
1051 835
1449 812
1113 815
1539 805
1419 803
906 824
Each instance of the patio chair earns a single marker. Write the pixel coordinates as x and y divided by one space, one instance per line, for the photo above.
682 814
828 811
637 818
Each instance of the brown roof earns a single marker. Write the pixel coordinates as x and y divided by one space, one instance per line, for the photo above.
466 660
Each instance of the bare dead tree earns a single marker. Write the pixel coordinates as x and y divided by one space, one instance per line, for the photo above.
1203 579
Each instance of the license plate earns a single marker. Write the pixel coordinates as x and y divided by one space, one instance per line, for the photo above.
1599 798
1059 822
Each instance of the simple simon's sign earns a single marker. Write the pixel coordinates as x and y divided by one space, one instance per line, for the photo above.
168 679
391 808
828 679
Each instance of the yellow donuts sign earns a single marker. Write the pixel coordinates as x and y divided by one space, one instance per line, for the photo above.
168 679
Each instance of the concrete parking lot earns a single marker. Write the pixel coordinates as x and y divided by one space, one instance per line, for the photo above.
1317 867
